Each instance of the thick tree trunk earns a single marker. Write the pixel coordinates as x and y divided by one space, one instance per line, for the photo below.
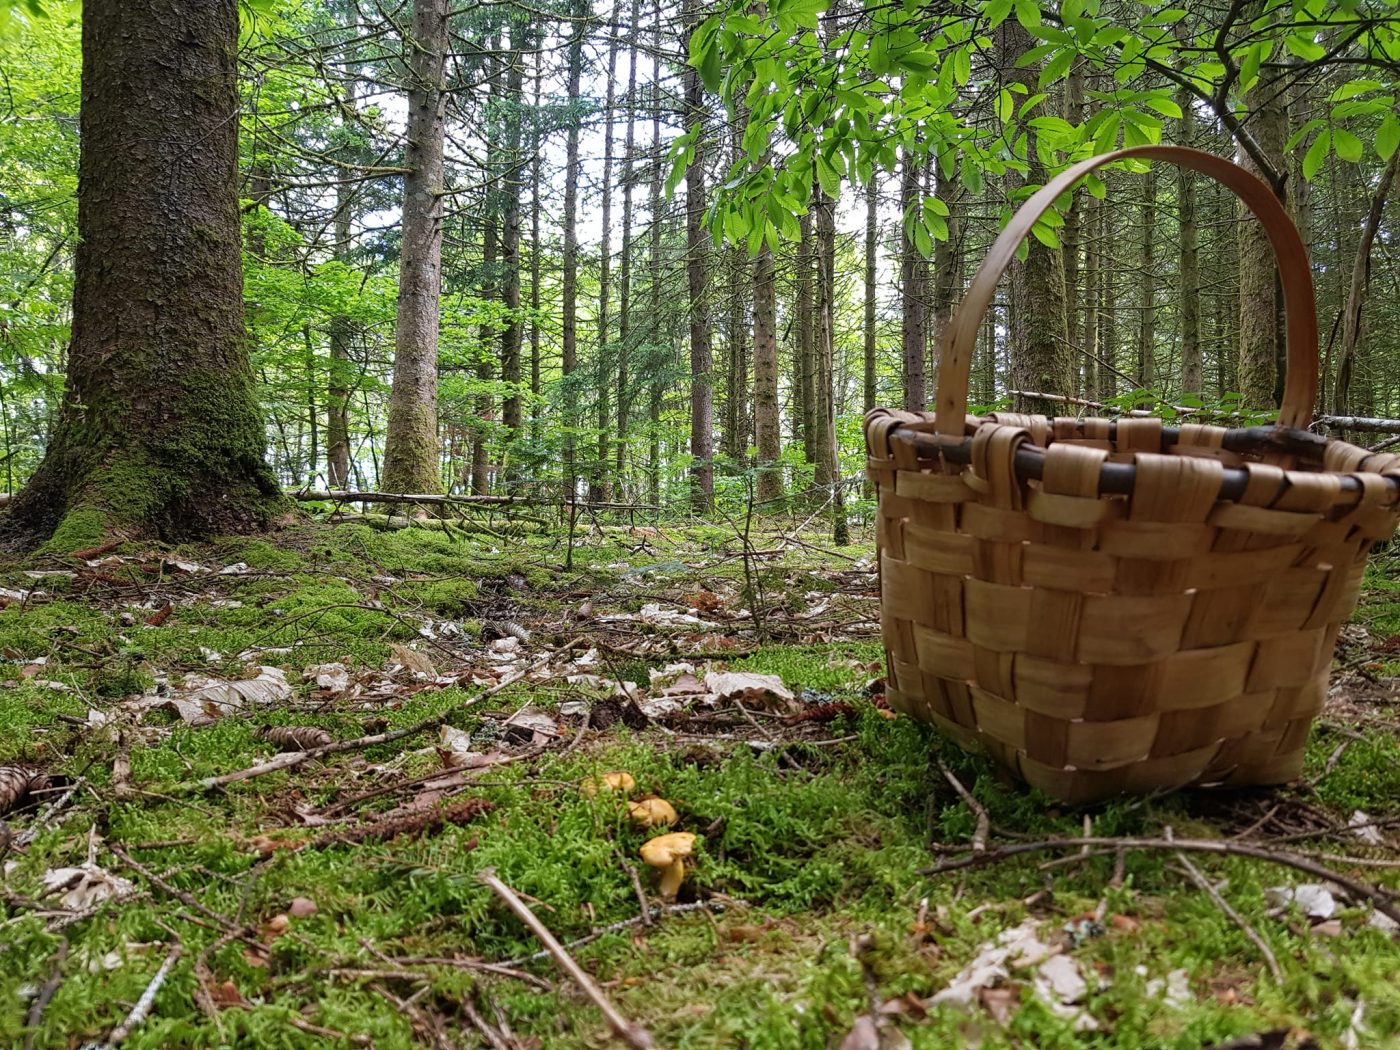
767 436
159 432
1093 239
1260 329
913 269
1040 357
411 444
570 277
1188 270
702 479
947 265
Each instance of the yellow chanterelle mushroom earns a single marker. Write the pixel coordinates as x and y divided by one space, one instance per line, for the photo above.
616 782
650 812
667 853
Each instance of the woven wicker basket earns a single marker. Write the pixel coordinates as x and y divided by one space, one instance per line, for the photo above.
1121 606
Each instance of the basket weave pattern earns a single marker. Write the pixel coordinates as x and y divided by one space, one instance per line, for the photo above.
1099 645
1104 638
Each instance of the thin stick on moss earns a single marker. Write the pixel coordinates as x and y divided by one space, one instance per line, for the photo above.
291 759
1379 899
633 1035
142 1009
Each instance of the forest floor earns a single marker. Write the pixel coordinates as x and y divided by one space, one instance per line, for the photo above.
339 900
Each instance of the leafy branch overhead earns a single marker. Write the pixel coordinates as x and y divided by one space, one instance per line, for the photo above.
830 95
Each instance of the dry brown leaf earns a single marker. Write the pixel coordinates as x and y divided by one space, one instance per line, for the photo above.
226 996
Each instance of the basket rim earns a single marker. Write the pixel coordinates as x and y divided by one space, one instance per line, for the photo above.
1121 478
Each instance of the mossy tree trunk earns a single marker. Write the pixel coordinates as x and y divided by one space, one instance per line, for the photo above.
411 444
159 433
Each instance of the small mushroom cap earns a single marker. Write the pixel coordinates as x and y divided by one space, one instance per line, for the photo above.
617 781
651 811
665 850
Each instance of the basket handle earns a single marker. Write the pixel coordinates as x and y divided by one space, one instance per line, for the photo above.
1300 391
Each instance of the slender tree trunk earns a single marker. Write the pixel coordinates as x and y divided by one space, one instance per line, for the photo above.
806 379
624 277
828 473
1147 320
1356 292
872 233
947 263
490 237
411 444
1189 290
338 391
570 277
159 432
1093 239
654 204
536 257
1260 332
510 233
597 478
1040 357
702 482
767 435
1072 236
913 271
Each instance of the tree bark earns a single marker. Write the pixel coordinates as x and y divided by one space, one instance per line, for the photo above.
1147 320
338 388
828 471
536 255
913 271
597 477
1040 357
159 432
1356 293
411 443
767 436
655 205
805 417
510 232
872 209
702 480
624 277
1188 270
570 277
1260 330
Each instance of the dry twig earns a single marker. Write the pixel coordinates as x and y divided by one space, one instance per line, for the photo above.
984 822
633 1035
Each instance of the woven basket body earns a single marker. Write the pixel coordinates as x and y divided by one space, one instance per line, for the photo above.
1113 607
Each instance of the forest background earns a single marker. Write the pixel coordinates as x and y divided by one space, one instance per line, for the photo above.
684 249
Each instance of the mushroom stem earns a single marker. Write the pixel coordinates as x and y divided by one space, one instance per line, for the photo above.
672 878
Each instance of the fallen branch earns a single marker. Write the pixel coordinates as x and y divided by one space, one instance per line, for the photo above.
651 916
984 822
633 1035
1379 899
1208 888
142 1009
468 501
291 759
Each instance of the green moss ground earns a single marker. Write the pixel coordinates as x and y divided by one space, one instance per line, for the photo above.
823 843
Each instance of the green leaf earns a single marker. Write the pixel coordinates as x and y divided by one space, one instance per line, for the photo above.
1056 68
962 65
1317 153
1304 47
1106 135
1006 106
997 11
1253 58
1168 107
1028 13
1352 88
712 68
1347 145
1045 235
1388 137
828 177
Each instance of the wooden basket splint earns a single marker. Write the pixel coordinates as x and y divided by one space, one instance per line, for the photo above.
1121 606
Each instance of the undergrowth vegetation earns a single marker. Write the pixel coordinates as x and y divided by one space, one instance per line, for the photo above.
805 903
